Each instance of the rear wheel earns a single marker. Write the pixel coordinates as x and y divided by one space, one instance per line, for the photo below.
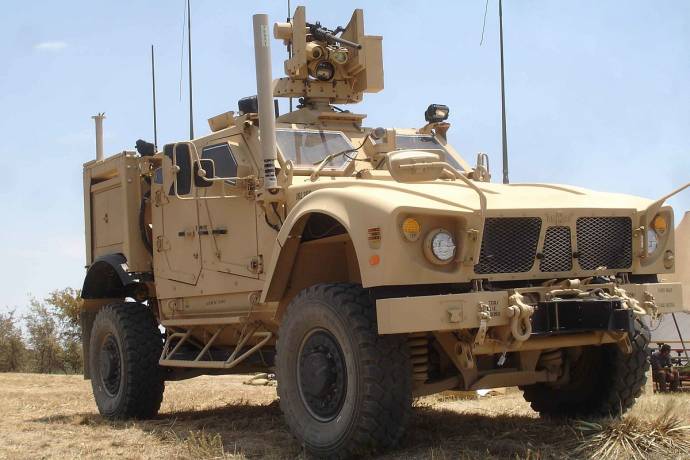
344 389
604 381
123 361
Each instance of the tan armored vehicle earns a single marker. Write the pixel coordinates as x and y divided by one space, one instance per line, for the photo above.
366 266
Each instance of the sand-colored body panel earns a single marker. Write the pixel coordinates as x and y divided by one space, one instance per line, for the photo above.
463 267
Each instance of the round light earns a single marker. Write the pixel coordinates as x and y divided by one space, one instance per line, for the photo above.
652 241
668 259
411 229
339 56
659 224
439 246
324 71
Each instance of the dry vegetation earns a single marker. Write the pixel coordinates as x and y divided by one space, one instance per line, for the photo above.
219 417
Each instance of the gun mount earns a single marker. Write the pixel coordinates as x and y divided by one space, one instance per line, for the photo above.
335 66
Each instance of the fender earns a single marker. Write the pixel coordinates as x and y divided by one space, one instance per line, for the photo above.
364 210
108 278
350 213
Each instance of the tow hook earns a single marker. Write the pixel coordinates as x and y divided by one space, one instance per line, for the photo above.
519 313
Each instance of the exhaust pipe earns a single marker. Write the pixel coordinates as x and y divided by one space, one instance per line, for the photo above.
264 90
99 135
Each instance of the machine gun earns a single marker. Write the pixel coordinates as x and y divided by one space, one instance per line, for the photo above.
323 34
332 66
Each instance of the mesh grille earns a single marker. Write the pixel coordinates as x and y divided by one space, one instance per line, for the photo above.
558 254
509 245
604 242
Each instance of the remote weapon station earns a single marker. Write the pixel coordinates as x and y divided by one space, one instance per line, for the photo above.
366 266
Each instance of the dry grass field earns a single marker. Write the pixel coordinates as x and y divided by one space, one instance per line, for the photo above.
52 416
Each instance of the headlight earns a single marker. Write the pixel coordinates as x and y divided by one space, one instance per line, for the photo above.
439 246
657 229
436 113
652 241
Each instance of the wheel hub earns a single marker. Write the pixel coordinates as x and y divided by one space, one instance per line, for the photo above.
110 365
322 375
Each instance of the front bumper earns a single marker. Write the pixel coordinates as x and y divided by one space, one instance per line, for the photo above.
454 312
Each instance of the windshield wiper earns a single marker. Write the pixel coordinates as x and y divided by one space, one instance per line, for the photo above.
327 159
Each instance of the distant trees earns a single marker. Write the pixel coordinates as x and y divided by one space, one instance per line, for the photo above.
12 348
51 341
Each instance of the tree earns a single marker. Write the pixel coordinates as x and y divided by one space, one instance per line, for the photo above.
12 347
43 338
67 305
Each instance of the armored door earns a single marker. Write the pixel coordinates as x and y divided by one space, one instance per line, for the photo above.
227 211
176 245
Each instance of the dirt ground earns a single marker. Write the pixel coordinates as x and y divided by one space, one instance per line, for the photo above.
54 416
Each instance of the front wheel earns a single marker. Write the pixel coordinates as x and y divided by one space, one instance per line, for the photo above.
604 381
123 361
343 388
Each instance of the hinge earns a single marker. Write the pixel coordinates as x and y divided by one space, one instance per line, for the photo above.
162 244
159 198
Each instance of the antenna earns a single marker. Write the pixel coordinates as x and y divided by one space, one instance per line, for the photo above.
189 46
289 19
503 99
153 89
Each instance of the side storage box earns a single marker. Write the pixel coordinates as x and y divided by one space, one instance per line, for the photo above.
112 199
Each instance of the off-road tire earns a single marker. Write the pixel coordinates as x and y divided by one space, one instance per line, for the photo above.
131 333
378 396
605 381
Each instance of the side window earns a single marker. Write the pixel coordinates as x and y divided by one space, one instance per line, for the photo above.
182 158
158 176
224 161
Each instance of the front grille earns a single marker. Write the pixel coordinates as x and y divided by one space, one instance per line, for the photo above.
557 253
604 242
509 245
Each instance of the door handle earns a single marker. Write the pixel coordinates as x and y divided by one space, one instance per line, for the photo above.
203 230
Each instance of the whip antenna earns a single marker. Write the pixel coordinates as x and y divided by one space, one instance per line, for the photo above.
503 98
153 89
289 19
189 46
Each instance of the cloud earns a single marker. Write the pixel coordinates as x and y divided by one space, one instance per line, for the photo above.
50 46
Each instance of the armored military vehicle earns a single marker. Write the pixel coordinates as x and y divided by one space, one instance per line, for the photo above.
367 266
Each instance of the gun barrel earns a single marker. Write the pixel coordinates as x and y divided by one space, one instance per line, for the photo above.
342 41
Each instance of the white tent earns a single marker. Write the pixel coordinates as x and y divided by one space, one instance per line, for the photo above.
665 329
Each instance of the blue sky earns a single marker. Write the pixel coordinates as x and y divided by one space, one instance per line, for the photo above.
598 96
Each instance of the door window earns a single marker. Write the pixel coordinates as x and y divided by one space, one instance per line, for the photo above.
224 162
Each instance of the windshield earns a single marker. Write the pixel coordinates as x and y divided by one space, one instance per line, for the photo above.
427 143
306 147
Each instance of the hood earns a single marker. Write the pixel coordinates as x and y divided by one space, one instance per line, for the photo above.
458 196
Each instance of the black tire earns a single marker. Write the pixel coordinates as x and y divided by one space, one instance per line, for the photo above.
125 346
355 401
605 381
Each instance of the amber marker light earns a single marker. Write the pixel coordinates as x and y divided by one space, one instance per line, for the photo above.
411 229
659 224
374 260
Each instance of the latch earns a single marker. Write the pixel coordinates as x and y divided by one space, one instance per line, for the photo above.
484 317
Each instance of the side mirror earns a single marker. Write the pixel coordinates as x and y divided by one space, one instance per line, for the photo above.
204 170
